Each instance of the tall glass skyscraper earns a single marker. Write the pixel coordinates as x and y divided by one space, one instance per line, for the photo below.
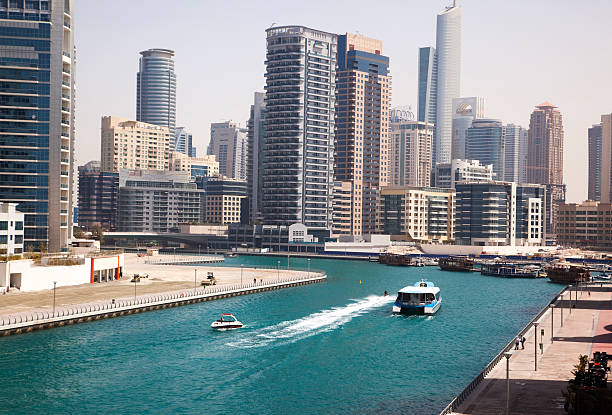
428 78
299 140
183 142
485 142
448 53
37 117
156 88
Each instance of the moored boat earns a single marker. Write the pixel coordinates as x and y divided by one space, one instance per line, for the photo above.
565 273
508 270
395 259
456 263
226 322
421 298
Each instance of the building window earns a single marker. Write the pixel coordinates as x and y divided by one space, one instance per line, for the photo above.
3 225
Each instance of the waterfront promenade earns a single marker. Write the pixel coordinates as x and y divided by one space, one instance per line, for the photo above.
586 329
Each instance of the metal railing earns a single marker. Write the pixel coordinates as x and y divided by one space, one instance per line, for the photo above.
86 310
463 395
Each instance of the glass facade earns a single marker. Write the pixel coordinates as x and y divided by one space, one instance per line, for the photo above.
36 86
156 88
485 142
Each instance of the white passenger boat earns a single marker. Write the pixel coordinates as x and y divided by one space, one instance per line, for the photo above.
421 298
226 322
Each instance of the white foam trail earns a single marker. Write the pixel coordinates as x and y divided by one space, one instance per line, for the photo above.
320 322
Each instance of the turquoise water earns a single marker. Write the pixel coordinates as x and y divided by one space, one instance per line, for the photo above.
326 348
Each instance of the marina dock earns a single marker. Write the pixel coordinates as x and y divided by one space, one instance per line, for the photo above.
43 319
585 327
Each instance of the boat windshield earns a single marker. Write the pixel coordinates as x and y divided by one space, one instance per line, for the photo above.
227 318
417 298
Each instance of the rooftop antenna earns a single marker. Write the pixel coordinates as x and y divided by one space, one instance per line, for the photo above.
272 25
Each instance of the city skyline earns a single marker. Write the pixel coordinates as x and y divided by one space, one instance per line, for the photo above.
205 95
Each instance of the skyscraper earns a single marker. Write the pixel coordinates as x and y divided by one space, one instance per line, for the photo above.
513 153
37 63
545 159
448 52
428 78
299 138
595 162
255 149
363 95
228 141
410 154
97 197
485 142
156 88
606 158
465 110
183 142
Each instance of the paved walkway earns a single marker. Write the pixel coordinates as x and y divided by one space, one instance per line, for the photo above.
586 329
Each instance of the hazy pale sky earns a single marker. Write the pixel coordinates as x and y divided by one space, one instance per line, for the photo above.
516 54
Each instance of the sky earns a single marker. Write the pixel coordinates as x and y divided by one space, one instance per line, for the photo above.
516 54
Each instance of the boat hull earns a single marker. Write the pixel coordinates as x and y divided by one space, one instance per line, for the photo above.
416 310
226 327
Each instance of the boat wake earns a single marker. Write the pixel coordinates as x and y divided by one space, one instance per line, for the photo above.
316 323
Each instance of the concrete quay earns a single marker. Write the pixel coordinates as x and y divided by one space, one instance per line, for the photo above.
577 327
79 313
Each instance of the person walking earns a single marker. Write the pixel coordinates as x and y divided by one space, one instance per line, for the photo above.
523 339
516 342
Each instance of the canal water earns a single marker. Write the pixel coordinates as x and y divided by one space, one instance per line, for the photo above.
327 348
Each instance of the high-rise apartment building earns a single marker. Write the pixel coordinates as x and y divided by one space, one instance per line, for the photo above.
595 162
485 142
255 154
98 191
523 154
606 158
428 78
37 139
299 139
228 142
545 158
448 53
465 110
514 151
128 144
363 96
410 155
156 88
183 142
225 201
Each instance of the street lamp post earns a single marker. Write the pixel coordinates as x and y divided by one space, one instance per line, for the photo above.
134 288
195 275
562 295
54 284
288 253
199 245
507 356
570 302
241 268
278 270
535 346
552 322
308 267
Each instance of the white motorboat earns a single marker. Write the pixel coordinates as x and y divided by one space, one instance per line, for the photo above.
226 322
421 298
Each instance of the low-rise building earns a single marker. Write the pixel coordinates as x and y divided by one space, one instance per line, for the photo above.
98 191
498 213
585 225
421 214
447 174
226 201
205 166
154 201
11 229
